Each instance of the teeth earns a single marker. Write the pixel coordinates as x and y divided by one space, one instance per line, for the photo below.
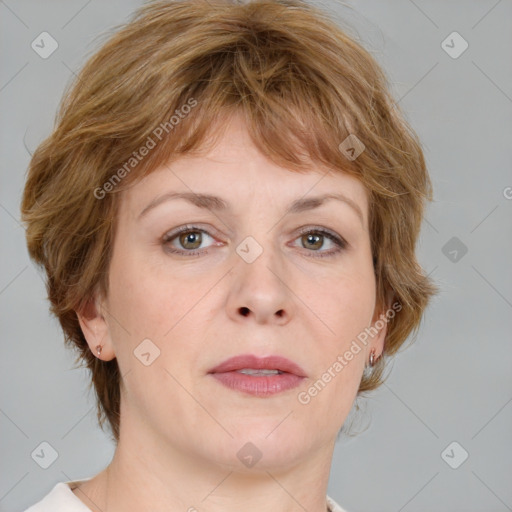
251 371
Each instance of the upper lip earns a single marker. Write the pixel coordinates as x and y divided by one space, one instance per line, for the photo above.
273 362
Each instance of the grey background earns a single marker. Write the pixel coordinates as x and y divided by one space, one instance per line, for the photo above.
453 384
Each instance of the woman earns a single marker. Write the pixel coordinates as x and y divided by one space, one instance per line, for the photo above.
227 213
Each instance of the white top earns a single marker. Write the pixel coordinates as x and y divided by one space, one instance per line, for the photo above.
62 499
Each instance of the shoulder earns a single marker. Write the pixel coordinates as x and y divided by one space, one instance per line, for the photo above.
60 499
333 506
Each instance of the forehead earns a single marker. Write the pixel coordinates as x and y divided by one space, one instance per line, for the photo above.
235 171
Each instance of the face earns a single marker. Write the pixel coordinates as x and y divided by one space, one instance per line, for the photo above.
258 269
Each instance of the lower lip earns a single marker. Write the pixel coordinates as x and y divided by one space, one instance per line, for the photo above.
263 385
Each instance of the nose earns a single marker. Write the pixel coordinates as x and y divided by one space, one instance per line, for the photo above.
260 291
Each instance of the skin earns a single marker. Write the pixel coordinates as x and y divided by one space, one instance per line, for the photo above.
180 428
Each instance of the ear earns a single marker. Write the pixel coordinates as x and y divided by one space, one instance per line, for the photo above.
95 327
380 322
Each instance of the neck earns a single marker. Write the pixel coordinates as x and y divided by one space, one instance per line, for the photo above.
144 475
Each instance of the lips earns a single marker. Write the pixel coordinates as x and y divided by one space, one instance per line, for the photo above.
258 376
251 362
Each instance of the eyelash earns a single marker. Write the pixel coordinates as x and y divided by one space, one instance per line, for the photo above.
338 241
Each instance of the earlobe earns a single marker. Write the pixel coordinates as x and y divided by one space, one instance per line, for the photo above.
380 323
95 329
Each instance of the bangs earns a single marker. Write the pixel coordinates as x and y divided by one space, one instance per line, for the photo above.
292 113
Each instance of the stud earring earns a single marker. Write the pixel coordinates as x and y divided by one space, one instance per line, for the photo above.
99 348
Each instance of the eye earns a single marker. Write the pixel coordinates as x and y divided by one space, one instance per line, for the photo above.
316 238
186 240
189 240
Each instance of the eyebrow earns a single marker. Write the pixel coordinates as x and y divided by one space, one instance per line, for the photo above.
215 203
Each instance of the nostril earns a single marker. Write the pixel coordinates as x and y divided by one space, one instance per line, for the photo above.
280 313
244 311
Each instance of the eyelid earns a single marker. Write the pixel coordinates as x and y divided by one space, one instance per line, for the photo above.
321 229
172 233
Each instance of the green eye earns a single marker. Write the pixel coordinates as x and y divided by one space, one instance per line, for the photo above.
188 241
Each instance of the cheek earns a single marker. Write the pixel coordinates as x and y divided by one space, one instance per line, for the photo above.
347 311
341 296
345 305
349 304
148 301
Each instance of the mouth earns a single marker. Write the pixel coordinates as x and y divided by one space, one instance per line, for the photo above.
258 373
256 376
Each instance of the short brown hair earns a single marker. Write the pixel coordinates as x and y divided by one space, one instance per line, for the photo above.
303 86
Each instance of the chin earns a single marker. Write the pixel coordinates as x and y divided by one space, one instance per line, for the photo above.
264 445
